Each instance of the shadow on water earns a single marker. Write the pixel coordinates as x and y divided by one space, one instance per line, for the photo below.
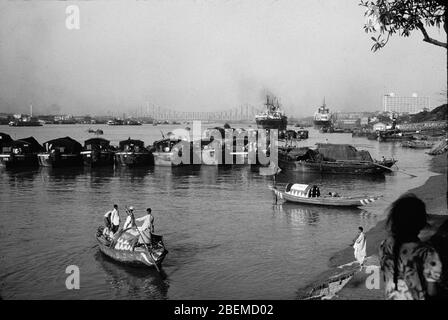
133 282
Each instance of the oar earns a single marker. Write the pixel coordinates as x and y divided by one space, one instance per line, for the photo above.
379 165
147 249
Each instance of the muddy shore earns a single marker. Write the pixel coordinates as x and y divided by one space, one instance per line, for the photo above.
350 284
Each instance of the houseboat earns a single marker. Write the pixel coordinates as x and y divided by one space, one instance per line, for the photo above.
331 158
98 152
170 151
132 153
20 153
4 139
61 152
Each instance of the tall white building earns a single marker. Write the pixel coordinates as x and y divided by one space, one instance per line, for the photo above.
400 104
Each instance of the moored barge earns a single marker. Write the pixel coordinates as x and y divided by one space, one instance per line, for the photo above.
61 152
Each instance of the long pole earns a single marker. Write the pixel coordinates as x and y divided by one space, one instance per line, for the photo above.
147 249
379 165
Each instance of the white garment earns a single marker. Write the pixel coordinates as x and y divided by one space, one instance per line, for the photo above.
360 248
127 223
148 221
114 217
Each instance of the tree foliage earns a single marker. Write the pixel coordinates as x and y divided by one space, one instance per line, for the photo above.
401 17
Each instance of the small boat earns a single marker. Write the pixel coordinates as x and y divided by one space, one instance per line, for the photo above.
61 152
302 133
26 123
393 135
97 131
303 193
417 144
132 153
98 152
124 248
115 122
20 153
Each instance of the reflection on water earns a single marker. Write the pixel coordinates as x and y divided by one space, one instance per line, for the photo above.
226 239
132 282
307 214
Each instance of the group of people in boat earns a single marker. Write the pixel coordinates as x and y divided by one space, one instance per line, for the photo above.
144 232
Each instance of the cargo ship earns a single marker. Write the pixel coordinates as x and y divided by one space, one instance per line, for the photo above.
273 117
323 118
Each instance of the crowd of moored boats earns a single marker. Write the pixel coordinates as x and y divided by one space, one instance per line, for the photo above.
97 152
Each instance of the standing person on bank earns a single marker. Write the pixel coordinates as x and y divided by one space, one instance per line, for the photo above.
359 246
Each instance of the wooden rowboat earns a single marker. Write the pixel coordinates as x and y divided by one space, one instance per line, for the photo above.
122 251
302 193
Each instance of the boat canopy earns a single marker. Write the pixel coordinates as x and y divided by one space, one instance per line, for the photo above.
97 141
65 145
30 144
333 152
302 153
4 138
297 189
131 143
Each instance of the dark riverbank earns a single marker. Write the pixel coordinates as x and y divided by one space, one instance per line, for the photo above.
433 193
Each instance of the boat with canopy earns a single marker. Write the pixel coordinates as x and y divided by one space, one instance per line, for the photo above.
310 194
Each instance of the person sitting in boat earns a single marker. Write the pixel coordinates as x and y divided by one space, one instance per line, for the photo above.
334 194
315 192
112 219
147 227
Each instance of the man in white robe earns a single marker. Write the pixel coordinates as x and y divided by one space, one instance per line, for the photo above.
360 246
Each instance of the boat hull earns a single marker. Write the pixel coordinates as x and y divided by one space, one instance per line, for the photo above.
279 124
325 201
98 159
134 159
139 258
18 161
25 124
163 159
61 160
337 167
322 123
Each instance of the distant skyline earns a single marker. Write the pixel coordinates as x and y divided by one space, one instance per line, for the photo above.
205 56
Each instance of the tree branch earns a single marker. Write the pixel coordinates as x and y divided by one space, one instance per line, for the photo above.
428 39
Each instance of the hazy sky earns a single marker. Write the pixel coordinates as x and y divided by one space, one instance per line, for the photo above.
205 55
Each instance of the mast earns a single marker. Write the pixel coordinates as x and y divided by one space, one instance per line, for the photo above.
31 110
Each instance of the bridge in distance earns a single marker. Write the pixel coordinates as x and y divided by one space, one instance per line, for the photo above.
241 113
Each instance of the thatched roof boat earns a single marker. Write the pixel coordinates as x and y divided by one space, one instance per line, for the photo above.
61 152
98 152
20 153
331 158
133 153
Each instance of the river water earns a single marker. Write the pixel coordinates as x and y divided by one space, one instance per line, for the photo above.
226 239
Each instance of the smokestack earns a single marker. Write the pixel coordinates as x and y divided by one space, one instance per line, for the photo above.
31 110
